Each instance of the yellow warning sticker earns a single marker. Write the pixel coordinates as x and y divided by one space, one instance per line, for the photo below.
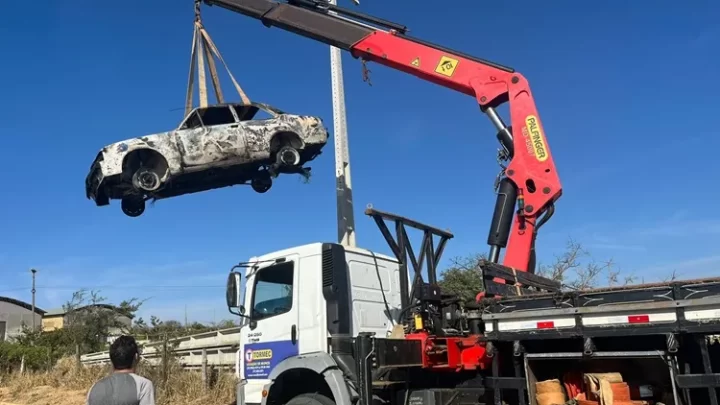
416 62
446 66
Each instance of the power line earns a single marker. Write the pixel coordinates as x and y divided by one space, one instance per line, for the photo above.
14 289
112 286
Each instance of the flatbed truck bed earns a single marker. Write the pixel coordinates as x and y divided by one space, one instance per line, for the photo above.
670 325
673 307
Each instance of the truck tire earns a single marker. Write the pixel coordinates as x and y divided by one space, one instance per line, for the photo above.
311 399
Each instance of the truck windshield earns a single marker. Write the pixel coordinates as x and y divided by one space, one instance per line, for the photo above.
272 291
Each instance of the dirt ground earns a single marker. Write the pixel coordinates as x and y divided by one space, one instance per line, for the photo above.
66 384
43 395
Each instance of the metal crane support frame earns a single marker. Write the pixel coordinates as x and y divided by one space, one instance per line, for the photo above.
402 249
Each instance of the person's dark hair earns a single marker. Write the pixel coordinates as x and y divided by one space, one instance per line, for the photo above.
122 352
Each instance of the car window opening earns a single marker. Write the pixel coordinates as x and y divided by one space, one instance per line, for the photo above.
246 112
256 112
272 294
193 121
216 116
262 115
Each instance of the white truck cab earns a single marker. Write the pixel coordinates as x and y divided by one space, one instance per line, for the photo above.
294 300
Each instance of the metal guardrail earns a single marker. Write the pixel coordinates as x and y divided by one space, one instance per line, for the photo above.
220 347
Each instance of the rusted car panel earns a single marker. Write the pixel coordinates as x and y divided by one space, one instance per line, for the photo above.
245 144
216 146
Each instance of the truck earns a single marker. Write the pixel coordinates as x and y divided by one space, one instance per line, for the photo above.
326 324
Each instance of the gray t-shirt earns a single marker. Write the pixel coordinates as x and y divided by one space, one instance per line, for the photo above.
122 389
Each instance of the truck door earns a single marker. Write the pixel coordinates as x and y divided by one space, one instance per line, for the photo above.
270 335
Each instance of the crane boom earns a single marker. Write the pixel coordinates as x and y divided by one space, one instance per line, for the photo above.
529 183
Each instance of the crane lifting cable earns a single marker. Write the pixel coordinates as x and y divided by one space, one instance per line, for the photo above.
203 49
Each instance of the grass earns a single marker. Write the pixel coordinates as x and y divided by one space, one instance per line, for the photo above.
67 384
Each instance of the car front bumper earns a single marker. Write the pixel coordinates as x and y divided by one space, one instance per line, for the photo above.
94 183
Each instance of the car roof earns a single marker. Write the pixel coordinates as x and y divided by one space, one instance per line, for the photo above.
263 106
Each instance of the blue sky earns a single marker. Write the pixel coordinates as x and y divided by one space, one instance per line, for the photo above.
627 92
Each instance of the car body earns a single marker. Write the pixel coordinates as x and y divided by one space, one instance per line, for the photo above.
215 146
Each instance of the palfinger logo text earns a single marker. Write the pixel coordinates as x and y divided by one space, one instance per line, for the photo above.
536 138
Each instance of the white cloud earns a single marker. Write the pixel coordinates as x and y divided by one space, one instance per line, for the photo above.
179 273
639 235
691 267
678 229
616 246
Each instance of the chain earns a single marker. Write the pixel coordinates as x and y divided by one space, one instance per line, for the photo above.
365 72
502 156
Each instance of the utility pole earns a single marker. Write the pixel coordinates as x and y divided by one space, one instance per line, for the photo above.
33 271
343 185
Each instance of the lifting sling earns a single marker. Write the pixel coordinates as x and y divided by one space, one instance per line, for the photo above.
203 49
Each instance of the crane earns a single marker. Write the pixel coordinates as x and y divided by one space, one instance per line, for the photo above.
528 185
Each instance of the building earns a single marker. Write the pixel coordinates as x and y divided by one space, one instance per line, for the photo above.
57 318
14 314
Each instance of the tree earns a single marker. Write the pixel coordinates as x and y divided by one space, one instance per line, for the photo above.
86 327
463 277
575 268
88 324
130 307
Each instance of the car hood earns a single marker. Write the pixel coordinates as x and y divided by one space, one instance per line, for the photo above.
151 141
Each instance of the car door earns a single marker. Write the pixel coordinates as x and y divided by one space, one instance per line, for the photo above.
210 138
257 128
270 334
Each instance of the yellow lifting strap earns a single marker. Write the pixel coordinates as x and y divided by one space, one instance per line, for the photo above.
203 48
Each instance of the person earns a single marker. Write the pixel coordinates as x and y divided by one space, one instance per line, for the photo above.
123 386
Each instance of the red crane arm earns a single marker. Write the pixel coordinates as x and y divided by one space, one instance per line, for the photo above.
531 168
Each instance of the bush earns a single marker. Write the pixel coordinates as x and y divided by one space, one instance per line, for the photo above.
12 354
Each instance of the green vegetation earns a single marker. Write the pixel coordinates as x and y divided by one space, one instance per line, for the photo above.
87 328
87 324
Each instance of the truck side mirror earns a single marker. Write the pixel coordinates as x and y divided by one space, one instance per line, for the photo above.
233 294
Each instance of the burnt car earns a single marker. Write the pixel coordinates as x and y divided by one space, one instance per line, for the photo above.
213 147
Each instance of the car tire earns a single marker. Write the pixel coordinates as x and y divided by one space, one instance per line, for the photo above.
146 179
133 206
287 156
262 182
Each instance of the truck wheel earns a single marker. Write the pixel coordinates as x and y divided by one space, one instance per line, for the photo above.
311 399
146 179
133 206
262 182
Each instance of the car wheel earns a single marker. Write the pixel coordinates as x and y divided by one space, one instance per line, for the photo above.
146 179
133 206
288 156
262 182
